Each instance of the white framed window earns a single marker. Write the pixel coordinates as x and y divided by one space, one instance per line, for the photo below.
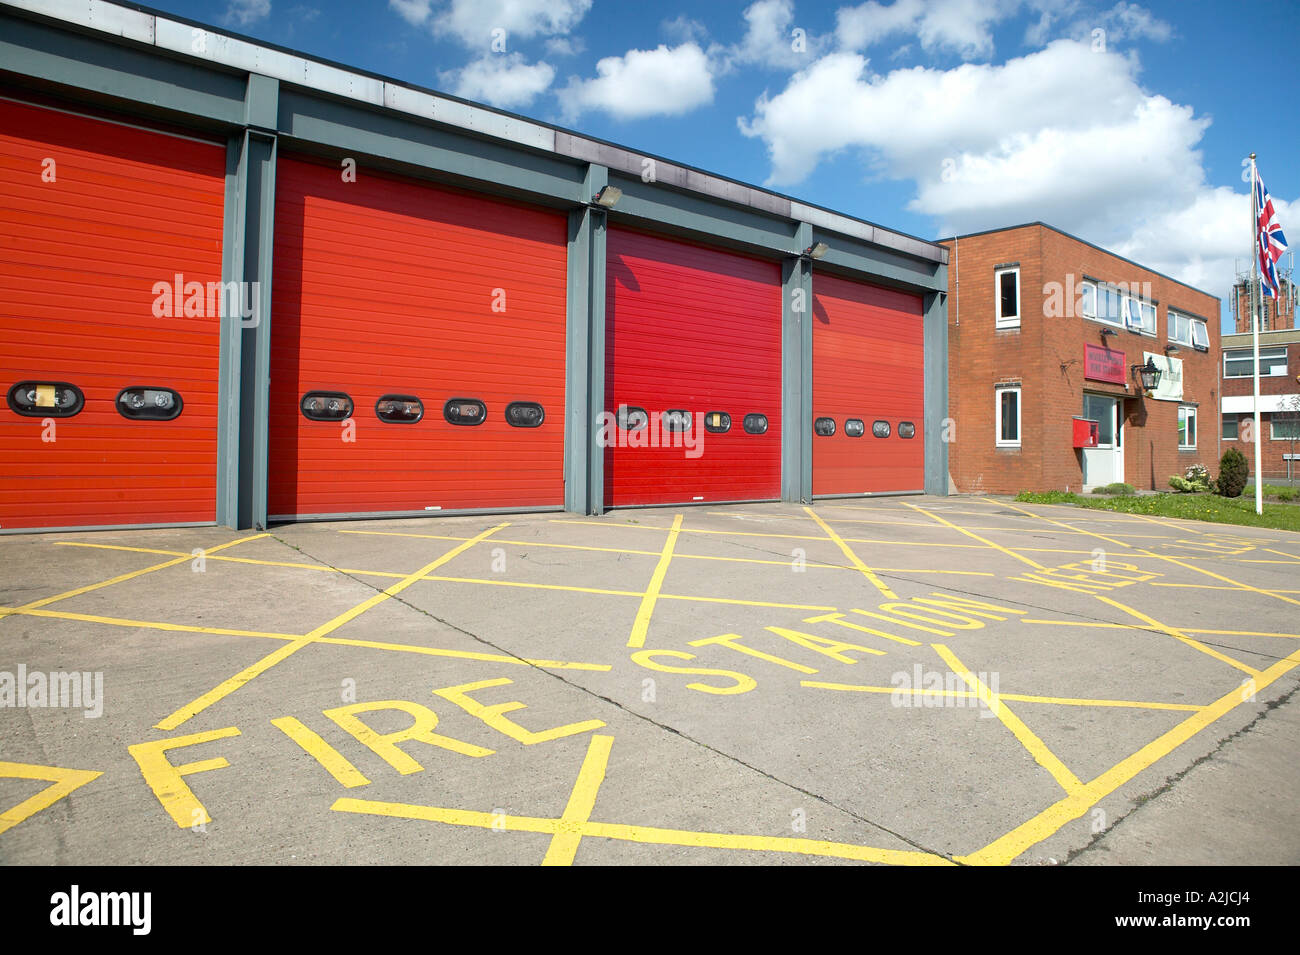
1180 328
1284 426
1200 335
1110 306
1007 413
1186 428
1186 330
1230 427
1140 316
1237 363
1088 300
1006 293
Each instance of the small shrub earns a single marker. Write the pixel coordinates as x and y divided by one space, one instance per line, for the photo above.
1181 484
1198 475
1119 487
1286 494
1232 473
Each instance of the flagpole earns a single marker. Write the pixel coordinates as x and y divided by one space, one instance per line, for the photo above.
1254 325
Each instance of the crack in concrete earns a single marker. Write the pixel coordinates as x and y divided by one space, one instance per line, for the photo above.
1141 800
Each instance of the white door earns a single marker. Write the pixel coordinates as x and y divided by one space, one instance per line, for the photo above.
1104 464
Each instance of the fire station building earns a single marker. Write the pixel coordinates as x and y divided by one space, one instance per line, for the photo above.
1050 339
241 285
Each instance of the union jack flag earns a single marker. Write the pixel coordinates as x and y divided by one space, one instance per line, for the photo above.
1270 240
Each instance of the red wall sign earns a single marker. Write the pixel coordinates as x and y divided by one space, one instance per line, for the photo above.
1102 364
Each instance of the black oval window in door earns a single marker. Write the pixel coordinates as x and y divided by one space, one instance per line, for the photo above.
824 427
755 424
326 405
880 429
467 411
906 429
717 422
632 418
854 428
676 420
399 409
45 399
525 414
149 404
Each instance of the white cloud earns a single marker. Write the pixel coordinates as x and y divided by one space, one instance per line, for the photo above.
666 81
1063 134
959 26
1128 21
682 29
472 21
414 12
504 80
770 38
965 27
241 13
565 45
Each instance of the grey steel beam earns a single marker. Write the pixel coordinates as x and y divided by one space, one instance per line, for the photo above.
582 400
857 259
584 490
937 430
228 376
100 70
796 372
349 128
246 342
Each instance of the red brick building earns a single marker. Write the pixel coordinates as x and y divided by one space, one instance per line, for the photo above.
1274 313
1279 405
1044 329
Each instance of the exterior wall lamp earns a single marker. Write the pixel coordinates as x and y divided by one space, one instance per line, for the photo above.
608 196
1147 375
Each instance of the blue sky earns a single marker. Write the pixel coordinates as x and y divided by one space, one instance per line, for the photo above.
1123 123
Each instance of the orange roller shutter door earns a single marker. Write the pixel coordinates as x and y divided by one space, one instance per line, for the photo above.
392 287
93 216
868 373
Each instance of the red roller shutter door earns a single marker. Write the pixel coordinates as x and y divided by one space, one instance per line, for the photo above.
95 214
386 286
868 366
695 329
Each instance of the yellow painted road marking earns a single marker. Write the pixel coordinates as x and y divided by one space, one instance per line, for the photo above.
1007 847
1129 626
849 553
168 781
1016 697
577 813
1177 527
1227 580
1217 587
464 654
649 835
355 572
502 540
1076 530
1179 636
1028 739
146 624
63 781
641 625
225 688
45 601
339 641
973 536
335 763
